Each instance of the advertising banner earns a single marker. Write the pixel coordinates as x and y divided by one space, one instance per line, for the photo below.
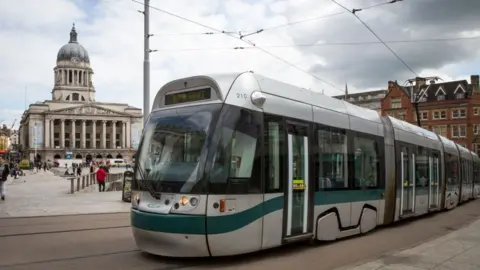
36 133
136 129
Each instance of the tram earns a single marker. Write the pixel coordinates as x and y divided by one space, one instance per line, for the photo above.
237 163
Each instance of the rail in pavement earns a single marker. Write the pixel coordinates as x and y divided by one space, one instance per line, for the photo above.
78 183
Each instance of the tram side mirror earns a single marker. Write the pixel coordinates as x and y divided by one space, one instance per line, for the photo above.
258 99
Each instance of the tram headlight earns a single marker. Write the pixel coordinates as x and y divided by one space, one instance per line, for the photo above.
184 200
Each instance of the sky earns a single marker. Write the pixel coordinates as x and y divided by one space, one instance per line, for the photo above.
317 50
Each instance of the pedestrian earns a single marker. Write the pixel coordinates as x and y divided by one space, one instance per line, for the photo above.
101 175
79 171
3 179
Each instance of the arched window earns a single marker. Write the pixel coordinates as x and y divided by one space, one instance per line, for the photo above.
70 77
83 99
68 97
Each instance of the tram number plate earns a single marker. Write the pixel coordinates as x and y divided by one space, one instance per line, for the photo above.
298 184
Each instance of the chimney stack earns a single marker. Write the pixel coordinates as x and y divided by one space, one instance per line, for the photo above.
419 82
474 80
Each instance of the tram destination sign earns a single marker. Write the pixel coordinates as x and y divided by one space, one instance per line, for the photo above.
188 96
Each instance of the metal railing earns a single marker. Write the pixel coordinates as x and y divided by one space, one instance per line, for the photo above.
81 182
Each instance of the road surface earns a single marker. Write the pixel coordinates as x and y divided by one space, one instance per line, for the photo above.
104 241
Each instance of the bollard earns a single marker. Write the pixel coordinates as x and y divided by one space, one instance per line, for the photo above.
83 181
78 183
72 188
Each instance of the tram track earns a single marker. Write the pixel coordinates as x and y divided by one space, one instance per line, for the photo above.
68 258
62 231
106 242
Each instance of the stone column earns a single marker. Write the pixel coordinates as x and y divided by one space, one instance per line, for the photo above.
62 133
83 139
72 136
113 140
93 135
46 130
123 135
104 134
129 134
52 133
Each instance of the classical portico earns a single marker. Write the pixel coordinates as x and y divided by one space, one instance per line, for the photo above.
72 124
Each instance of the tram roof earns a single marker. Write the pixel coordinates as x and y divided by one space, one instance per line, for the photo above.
224 81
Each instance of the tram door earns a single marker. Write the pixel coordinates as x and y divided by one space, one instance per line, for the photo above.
298 192
434 182
407 176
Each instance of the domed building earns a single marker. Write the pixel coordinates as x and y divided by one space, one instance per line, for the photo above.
73 125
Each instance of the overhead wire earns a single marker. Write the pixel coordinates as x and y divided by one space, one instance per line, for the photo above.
327 44
243 40
279 25
353 11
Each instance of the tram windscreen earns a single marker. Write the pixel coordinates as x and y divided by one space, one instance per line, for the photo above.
172 146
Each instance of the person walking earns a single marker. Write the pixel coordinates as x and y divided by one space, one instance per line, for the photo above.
3 179
101 175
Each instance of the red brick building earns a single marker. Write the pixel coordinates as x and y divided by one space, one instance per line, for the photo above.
451 109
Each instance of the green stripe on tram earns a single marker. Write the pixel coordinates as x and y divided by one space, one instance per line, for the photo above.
189 224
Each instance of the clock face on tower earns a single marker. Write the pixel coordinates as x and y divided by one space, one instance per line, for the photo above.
75 59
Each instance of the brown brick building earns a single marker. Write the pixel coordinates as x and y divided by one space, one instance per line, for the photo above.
451 109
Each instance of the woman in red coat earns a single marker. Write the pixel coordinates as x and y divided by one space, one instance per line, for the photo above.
101 175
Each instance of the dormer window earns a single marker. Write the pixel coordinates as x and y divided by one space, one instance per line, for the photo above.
459 92
441 97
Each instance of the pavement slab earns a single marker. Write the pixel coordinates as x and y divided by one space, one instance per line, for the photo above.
44 194
459 250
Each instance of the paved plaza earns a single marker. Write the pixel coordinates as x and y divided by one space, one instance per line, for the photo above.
458 250
44 194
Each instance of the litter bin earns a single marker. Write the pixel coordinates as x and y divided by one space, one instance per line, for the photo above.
127 186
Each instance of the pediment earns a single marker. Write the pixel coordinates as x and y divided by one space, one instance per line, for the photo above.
89 110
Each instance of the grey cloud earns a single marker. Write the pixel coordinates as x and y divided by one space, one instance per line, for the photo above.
367 66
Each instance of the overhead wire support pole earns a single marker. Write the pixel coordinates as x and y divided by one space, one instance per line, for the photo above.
146 61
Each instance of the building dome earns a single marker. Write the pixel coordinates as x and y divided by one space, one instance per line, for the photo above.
73 51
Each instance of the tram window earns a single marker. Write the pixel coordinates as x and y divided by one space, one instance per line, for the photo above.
421 167
451 169
366 162
274 154
237 162
477 173
332 159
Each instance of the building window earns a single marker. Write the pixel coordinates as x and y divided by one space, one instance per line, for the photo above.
396 103
437 115
475 111
459 131
401 116
441 97
475 129
460 95
440 130
423 115
459 113
476 148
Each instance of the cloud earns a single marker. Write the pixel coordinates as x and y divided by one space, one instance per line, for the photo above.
112 31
